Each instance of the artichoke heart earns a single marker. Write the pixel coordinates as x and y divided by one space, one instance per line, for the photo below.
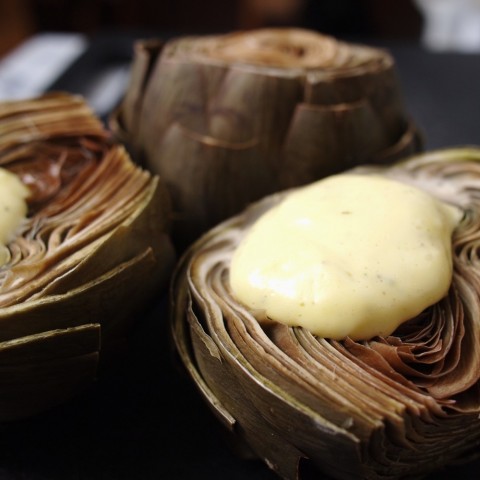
92 250
227 119
399 405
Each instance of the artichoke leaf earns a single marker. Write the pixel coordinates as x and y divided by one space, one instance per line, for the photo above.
184 356
51 345
50 366
57 115
98 301
350 132
145 54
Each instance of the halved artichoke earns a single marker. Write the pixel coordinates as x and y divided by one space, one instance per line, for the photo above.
92 251
228 119
392 407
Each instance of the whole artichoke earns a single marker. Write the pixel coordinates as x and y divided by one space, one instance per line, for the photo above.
227 119
400 406
92 251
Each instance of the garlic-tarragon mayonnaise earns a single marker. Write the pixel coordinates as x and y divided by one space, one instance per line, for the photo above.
13 209
350 255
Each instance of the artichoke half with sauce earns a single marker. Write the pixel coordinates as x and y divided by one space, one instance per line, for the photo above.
401 405
86 259
228 119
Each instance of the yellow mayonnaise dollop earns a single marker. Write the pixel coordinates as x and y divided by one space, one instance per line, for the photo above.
13 209
350 255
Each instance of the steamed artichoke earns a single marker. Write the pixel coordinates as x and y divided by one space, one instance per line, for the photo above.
399 406
228 119
91 252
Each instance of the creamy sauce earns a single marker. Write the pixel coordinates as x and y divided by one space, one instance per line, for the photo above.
13 209
349 255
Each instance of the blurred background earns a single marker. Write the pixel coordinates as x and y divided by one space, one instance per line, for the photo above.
86 46
20 19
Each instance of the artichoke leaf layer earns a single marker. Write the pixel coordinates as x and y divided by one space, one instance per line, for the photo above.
397 406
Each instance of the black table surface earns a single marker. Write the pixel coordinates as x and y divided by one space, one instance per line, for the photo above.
143 419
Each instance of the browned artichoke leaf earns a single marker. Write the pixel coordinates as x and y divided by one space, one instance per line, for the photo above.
98 261
56 115
350 133
45 369
145 54
118 245
467 367
50 345
96 301
181 152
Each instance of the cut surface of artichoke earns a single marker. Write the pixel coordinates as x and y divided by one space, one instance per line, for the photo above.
396 406
91 253
228 119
